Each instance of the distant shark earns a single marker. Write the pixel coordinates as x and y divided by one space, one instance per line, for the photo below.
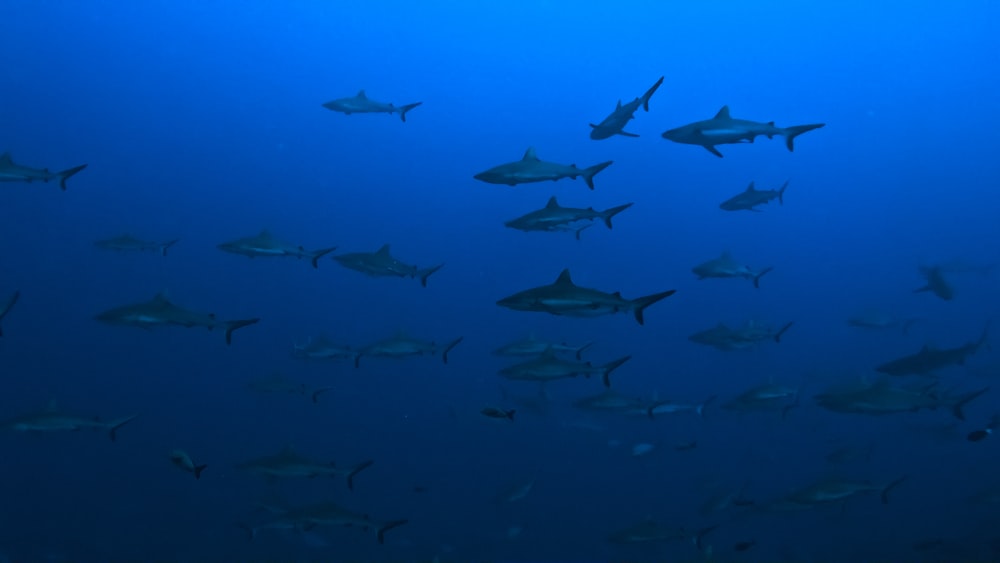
402 345
128 243
725 267
615 123
11 172
360 103
563 297
382 263
264 244
554 217
52 419
159 311
723 130
7 307
936 283
930 359
751 198
531 169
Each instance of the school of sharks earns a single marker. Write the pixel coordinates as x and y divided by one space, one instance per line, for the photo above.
535 364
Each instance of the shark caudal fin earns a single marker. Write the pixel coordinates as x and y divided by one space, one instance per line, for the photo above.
6 309
963 400
760 274
796 130
448 348
699 409
233 325
166 246
198 469
66 174
357 469
607 214
114 425
426 273
781 193
582 349
589 173
318 392
639 305
388 526
406 108
315 255
649 94
609 367
777 335
885 492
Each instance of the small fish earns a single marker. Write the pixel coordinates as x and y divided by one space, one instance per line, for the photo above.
494 412
744 545
980 435
642 449
181 459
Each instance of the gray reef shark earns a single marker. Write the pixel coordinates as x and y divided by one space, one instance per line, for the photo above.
360 103
289 464
278 383
878 319
751 198
322 514
749 335
531 169
12 172
264 244
322 348
725 267
930 359
881 398
554 217
8 306
402 345
936 283
382 263
533 346
160 311
563 297
128 243
52 419
723 130
615 123
548 367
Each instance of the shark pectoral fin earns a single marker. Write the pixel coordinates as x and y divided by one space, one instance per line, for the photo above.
592 126
713 150
627 134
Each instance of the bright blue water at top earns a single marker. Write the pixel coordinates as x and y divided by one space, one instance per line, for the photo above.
202 121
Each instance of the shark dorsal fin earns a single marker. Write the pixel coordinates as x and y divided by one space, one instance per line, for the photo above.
288 450
162 297
552 204
619 105
549 353
384 251
530 154
52 406
5 158
564 278
264 233
750 188
723 113
361 94
726 255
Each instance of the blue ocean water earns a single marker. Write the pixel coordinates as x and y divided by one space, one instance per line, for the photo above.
202 121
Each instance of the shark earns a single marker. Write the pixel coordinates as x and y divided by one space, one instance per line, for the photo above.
765 397
672 407
750 198
7 306
361 103
614 124
930 359
277 383
402 345
548 367
322 514
837 490
12 172
614 402
650 531
160 311
881 320
936 283
289 464
264 244
531 169
382 263
726 267
724 338
53 419
723 130
554 217
565 298
322 348
882 398
128 243
533 346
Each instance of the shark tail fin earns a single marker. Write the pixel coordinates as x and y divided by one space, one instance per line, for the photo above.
66 174
406 108
448 348
114 425
639 305
885 492
318 392
357 360
582 349
589 173
700 408
166 246
198 469
250 530
777 335
760 274
388 526
357 469
426 273
233 325
699 537
649 94
510 414
315 255
607 214
795 131
606 369
781 193
10 303
963 400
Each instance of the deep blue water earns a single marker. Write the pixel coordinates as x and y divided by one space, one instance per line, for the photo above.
203 121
